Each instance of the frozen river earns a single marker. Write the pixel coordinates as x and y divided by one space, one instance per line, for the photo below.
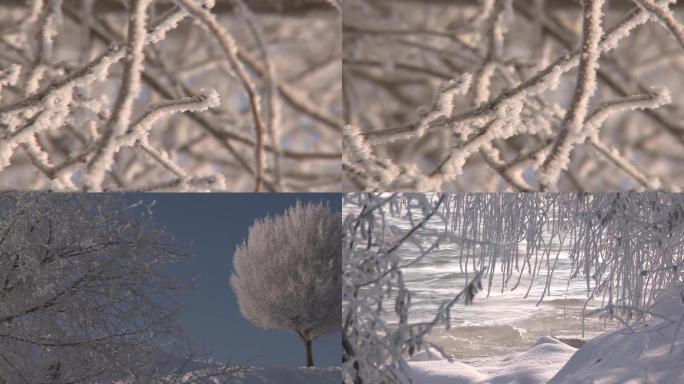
502 323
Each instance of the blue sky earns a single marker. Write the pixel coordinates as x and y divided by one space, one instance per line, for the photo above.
213 225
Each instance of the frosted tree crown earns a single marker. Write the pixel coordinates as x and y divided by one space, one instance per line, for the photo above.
287 274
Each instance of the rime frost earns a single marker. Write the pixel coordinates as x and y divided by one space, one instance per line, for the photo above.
79 81
626 248
286 275
530 119
81 293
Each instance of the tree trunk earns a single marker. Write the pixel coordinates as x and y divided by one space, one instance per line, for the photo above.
309 354
306 338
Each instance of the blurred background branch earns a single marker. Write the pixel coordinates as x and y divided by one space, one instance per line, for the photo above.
222 6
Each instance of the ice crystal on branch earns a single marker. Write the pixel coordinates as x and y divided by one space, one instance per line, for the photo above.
286 275
372 350
539 73
87 89
627 249
81 293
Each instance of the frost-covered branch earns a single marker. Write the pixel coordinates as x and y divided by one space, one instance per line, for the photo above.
229 48
626 248
286 275
664 15
76 74
518 63
373 350
82 295
120 117
573 122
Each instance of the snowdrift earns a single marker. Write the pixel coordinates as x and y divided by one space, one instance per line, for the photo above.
428 367
278 375
537 365
650 352
252 375
645 353
211 372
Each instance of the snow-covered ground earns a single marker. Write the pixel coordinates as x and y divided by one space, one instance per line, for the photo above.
278 375
429 367
199 371
652 352
537 365
642 354
213 373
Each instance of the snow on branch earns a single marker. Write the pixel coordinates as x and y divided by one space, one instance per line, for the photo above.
302 248
229 47
665 16
626 249
374 351
81 293
76 79
514 124
103 157
559 157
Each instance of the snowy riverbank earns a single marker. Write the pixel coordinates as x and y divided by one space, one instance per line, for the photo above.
644 353
537 365
651 352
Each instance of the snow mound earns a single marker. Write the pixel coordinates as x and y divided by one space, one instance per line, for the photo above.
197 371
535 366
278 375
644 354
442 372
670 304
546 340
427 354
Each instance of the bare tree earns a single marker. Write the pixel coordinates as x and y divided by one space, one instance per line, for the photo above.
82 298
287 274
132 95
